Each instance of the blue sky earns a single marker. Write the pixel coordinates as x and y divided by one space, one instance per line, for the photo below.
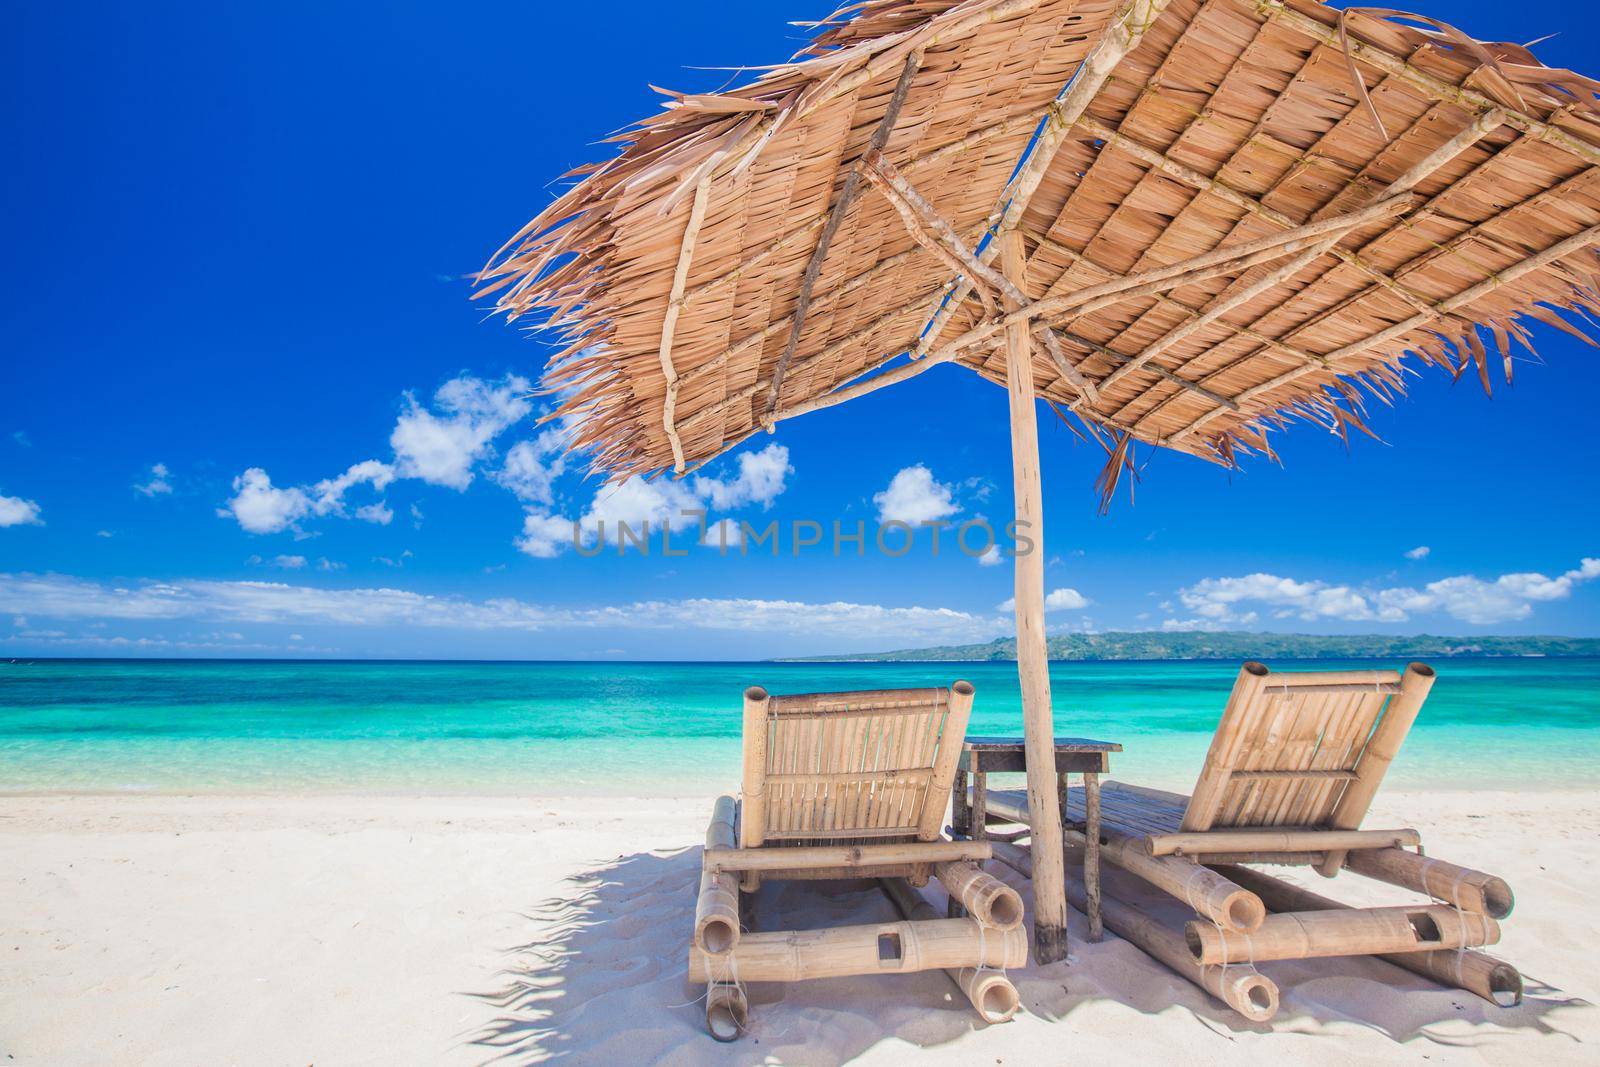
236 242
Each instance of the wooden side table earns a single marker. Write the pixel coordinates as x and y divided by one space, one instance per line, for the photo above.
982 756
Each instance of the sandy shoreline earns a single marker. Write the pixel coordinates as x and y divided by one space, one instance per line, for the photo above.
365 929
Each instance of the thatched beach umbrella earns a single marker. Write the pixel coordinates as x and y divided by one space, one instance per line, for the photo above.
1182 222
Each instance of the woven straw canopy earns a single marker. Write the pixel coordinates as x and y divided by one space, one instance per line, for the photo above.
1232 214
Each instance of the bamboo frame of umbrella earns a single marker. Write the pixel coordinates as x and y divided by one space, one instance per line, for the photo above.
1186 223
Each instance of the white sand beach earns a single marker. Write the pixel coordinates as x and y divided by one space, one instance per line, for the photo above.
352 929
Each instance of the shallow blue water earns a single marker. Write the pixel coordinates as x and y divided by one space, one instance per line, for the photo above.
673 728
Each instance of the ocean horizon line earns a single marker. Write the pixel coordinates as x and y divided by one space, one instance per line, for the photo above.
851 658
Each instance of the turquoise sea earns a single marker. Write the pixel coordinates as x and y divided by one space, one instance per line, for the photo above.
650 729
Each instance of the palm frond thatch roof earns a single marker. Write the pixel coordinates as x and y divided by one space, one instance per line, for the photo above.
755 254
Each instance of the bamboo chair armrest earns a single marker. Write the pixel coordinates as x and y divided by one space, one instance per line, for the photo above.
1269 839
814 856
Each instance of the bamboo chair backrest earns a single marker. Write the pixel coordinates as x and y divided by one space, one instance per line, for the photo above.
1306 749
875 765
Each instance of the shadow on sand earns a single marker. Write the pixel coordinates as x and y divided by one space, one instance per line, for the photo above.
608 984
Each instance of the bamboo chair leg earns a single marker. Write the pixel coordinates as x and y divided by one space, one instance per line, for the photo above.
727 1011
990 992
1091 854
1207 892
983 896
1463 887
1300 935
716 918
873 948
960 827
1478 973
1251 994
747 911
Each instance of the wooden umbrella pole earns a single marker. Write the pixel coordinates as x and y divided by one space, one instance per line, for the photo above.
926 224
1033 657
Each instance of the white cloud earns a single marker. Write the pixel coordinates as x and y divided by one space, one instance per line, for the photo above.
649 506
662 503
15 511
544 535
1212 625
288 563
122 644
329 493
440 447
1063 599
760 480
448 441
991 557
158 484
724 535
1510 596
1222 602
326 564
379 513
1217 598
531 467
840 618
104 533
262 508
60 597
1420 552
914 496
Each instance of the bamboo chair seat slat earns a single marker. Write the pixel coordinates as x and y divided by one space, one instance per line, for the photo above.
1308 774
1121 809
836 836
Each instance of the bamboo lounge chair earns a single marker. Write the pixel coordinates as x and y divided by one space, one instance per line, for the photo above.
1295 763
850 785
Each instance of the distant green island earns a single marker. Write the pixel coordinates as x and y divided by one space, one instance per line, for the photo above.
1233 645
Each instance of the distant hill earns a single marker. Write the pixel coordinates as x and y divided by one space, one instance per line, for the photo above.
1237 646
